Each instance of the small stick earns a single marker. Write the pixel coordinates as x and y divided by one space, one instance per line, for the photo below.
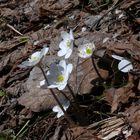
11 27
21 130
47 130
115 5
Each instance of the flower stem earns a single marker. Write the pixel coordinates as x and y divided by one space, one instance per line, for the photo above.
72 93
94 65
76 105
55 97
64 94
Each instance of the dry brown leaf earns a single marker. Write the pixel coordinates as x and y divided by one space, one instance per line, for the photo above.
133 137
56 8
80 133
35 98
121 95
86 74
133 116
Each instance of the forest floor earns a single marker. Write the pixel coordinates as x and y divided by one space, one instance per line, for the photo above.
108 96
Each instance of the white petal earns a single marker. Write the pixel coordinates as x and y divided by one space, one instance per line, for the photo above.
56 108
61 87
53 69
28 64
65 35
62 63
69 67
59 114
71 34
66 105
24 64
52 86
68 54
44 51
62 44
36 54
117 57
81 55
123 63
61 52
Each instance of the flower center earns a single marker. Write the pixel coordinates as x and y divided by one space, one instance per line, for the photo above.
88 51
68 43
60 78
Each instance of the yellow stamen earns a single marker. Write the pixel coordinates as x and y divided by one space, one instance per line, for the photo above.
60 78
89 51
68 43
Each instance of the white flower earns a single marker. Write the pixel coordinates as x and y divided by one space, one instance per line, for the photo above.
86 50
58 109
58 75
66 45
124 65
35 58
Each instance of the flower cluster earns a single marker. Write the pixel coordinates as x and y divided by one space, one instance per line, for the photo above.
58 74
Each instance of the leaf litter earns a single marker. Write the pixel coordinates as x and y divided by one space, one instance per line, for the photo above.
111 103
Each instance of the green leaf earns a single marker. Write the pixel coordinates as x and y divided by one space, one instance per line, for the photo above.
2 93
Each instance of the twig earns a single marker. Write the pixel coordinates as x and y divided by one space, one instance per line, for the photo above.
15 137
115 5
47 130
11 27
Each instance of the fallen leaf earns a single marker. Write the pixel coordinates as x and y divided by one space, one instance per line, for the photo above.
35 98
121 95
80 133
133 116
